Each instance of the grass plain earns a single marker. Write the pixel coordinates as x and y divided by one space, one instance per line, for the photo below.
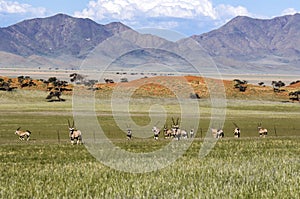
48 166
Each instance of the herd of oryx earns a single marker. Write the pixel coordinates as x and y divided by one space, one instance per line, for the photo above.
174 132
177 133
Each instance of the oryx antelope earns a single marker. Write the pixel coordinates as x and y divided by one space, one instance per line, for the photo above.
236 131
175 129
156 132
129 134
167 132
262 131
184 134
217 133
192 133
177 133
23 134
74 134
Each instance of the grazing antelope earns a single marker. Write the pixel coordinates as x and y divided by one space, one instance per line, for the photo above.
74 134
262 131
217 133
236 131
23 134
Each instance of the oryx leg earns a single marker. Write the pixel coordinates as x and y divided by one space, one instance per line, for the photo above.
78 140
27 136
72 140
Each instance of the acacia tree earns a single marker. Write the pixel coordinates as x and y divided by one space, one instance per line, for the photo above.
56 88
6 86
295 95
240 84
25 81
294 82
261 84
277 85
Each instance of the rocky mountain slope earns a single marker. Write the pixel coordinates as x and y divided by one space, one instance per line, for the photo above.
52 41
242 45
52 36
264 44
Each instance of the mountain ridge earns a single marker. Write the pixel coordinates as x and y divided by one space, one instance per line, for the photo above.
243 44
58 34
246 40
263 33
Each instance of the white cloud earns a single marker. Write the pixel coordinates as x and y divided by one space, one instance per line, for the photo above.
227 12
230 11
12 7
289 11
131 9
172 14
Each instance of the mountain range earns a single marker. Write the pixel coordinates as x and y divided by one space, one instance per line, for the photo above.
243 45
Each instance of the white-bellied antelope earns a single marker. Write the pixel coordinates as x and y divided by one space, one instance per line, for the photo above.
167 132
236 131
217 133
156 132
74 134
23 134
175 129
129 134
184 134
262 131
192 133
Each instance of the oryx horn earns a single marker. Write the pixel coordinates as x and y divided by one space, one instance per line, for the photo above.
235 125
173 121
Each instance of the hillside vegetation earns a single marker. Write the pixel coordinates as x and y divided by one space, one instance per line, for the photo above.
161 87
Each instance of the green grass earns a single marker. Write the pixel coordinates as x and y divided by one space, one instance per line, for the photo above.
246 168
48 166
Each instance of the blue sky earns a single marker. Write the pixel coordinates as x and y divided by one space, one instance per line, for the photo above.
185 16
